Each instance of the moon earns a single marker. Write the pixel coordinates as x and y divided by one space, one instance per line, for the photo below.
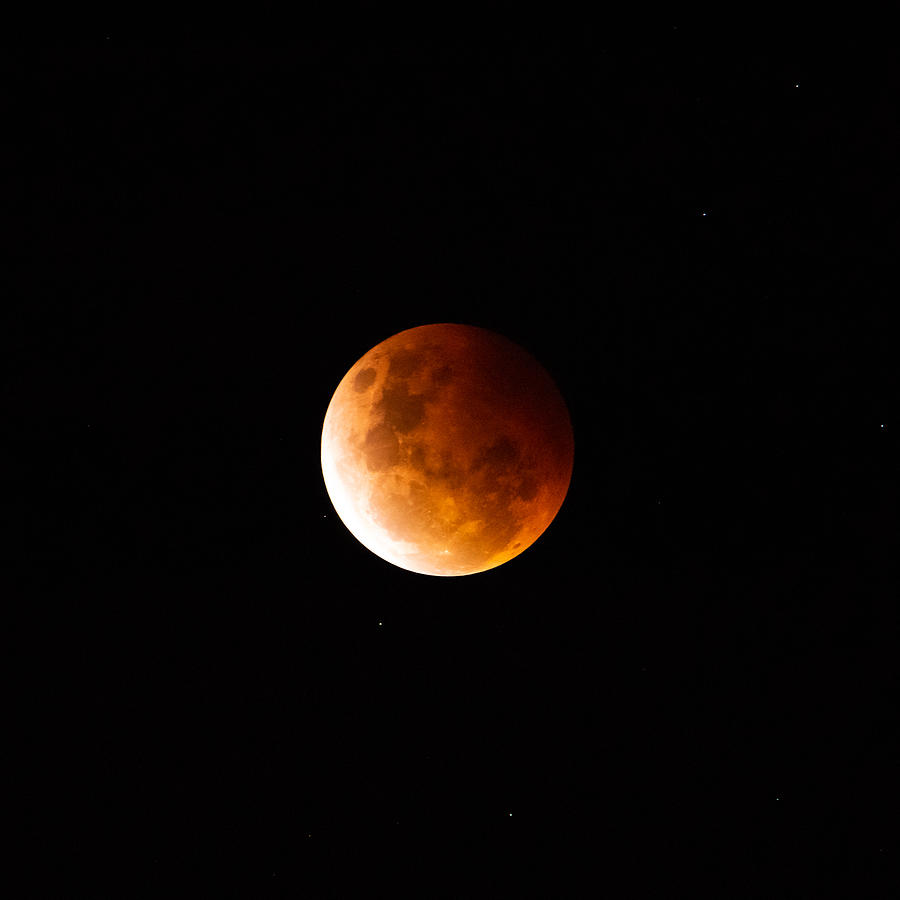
447 450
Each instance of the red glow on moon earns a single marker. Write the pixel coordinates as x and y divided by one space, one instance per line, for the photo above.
447 450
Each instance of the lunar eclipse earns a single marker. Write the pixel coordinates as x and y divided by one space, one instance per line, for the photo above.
447 450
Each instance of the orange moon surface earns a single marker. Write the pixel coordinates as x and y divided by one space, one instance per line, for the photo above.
447 450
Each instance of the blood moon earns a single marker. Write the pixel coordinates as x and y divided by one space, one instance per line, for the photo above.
447 450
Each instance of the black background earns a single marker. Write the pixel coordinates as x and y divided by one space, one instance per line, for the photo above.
688 683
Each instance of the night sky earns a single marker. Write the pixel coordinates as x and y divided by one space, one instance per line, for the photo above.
686 686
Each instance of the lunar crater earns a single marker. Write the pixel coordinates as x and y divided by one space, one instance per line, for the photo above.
402 410
364 380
